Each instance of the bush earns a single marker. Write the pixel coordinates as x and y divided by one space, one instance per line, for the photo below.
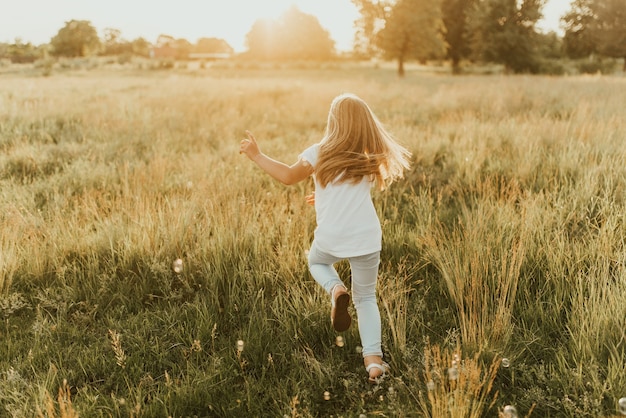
551 67
595 66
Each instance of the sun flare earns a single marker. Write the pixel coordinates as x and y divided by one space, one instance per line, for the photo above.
188 19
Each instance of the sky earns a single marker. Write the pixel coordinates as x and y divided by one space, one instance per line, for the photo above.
37 21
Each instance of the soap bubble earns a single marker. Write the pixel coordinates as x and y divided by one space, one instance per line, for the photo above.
358 349
453 373
178 266
430 385
240 345
339 341
622 406
506 362
510 411
326 395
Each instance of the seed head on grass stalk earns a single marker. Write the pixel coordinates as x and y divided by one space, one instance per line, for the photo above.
116 345
64 401
457 387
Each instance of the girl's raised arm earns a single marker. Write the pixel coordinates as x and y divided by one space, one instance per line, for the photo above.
280 171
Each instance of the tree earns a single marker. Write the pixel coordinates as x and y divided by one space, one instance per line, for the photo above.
262 40
113 44
414 30
550 45
141 47
503 31
294 36
212 46
596 26
455 19
578 40
372 17
304 37
20 52
611 30
403 30
78 38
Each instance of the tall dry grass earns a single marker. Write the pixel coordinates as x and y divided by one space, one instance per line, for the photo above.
504 240
456 386
480 261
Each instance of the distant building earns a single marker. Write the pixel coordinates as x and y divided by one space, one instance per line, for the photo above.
210 56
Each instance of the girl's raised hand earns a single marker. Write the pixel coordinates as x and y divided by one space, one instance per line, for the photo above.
249 146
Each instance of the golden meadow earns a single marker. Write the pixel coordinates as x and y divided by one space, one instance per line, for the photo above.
503 275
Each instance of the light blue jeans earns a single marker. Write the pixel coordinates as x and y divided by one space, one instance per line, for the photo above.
364 271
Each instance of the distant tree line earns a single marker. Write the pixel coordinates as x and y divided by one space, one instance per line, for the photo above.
487 31
596 27
78 38
493 31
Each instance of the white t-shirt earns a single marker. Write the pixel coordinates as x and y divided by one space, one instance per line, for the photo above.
347 222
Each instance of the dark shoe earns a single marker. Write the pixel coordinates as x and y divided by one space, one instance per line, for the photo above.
339 315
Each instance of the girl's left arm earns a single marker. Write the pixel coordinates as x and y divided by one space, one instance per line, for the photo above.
280 171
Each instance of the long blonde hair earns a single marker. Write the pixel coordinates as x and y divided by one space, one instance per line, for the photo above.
356 144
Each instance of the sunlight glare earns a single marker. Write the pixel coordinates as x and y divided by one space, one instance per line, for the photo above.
188 19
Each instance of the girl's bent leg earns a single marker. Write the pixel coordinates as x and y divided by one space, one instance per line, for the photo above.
322 270
364 276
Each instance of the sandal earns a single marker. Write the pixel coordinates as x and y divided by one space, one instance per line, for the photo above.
339 315
383 367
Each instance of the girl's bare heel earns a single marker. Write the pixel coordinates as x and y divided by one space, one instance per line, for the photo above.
376 368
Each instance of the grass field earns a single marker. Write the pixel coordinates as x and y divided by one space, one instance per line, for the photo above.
503 274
